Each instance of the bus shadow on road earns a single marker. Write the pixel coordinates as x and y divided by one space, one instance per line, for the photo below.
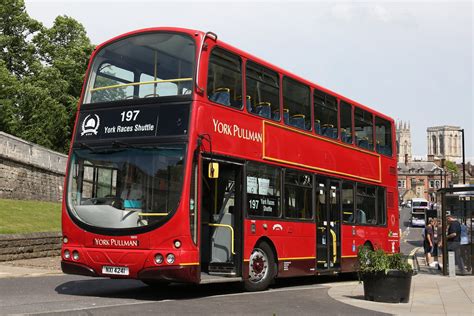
134 289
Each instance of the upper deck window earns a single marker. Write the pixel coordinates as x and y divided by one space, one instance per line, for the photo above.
262 91
346 122
296 108
224 80
142 66
364 129
325 114
383 136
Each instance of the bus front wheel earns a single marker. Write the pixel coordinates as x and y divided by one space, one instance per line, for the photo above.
261 268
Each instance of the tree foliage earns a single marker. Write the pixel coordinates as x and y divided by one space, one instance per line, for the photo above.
41 75
451 167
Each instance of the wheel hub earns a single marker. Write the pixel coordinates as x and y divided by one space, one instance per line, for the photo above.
258 265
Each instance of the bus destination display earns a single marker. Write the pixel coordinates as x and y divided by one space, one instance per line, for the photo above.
132 122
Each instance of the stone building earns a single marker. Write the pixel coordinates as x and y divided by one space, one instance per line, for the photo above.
445 143
420 179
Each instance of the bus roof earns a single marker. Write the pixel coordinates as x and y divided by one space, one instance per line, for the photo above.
246 55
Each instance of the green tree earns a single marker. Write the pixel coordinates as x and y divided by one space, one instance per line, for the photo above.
16 27
41 72
451 167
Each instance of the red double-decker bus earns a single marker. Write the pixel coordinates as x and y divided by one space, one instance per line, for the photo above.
193 161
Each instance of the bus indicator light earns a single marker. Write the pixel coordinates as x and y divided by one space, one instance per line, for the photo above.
159 258
170 258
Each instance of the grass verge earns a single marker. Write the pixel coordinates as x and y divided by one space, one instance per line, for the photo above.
19 217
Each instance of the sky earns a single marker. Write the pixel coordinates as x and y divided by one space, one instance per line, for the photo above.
409 60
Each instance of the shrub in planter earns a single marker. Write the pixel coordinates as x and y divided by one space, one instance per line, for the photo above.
386 277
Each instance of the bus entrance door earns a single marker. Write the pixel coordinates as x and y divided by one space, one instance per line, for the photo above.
221 216
328 225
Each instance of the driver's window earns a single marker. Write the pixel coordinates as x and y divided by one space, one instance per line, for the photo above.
106 182
88 183
99 182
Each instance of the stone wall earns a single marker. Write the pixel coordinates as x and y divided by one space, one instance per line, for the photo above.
29 171
26 246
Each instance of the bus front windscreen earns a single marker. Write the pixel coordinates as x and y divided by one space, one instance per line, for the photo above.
125 187
148 65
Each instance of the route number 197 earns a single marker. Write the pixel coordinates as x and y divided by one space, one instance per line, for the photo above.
129 115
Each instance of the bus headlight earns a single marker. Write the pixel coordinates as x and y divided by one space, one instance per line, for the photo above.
67 254
75 255
159 258
65 240
170 258
177 243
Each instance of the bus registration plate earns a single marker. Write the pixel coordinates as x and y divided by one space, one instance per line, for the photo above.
115 270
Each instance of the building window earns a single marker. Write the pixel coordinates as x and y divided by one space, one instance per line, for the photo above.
224 82
383 137
263 190
436 184
433 140
402 184
298 195
263 96
325 114
363 126
296 104
346 122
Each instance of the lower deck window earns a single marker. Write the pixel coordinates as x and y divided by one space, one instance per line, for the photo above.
263 190
298 195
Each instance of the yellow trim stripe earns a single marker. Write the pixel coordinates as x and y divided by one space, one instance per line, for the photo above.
138 83
350 256
286 259
189 264
323 139
298 258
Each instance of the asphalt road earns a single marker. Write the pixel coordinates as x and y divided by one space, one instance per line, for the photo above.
75 295
411 236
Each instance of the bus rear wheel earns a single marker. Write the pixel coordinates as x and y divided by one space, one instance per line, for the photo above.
261 268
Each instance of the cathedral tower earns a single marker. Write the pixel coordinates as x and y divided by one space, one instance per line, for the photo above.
403 141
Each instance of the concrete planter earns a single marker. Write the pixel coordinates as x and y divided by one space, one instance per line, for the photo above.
393 287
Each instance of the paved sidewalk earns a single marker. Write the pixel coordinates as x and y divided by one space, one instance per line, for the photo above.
31 267
431 294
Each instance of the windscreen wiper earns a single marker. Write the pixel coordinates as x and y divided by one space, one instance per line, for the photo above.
119 144
86 146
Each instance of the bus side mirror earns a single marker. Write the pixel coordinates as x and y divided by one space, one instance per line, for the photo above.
213 170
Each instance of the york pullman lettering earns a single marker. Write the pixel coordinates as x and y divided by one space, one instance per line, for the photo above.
115 242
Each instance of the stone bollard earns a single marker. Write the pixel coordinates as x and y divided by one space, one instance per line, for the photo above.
451 264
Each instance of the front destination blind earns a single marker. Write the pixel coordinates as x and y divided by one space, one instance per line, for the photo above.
133 121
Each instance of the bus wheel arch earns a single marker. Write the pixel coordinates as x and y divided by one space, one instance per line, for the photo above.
262 266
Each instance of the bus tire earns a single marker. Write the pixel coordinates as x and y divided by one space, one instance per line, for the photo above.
261 268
